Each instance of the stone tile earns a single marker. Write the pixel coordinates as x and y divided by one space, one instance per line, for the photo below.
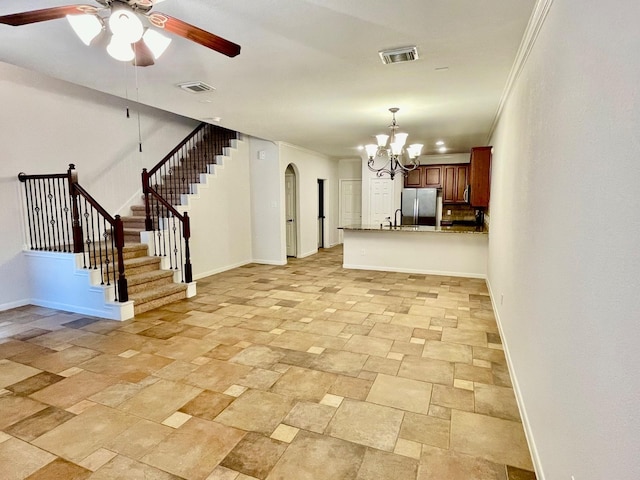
19 459
310 416
57 362
260 378
193 450
79 437
256 411
132 369
137 440
176 419
116 394
223 473
73 389
501 376
177 370
306 459
285 433
496 402
235 390
427 370
378 465
15 409
411 321
401 393
392 332
382 365
217 375
464 337
35 383
123 467
407 348
352 422
369 345
494 439
158 401
425 429
451 397
350 387
97 459
39 423
449 352
472 373
438 464
304 384
258 356
514 473
207 405
408 448
332 400
254 455
60 469
11 372
344 363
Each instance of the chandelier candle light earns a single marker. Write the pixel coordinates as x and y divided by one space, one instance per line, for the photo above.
393 152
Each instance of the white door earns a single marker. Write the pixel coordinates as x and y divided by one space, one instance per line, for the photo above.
290 211
350 203
381 196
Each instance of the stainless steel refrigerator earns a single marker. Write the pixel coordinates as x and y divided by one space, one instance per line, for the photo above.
419 206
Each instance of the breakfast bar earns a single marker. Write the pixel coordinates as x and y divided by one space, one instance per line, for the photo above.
459 251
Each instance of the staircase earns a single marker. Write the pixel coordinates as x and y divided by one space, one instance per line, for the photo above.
149 285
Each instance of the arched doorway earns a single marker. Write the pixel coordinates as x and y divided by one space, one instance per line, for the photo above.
291 214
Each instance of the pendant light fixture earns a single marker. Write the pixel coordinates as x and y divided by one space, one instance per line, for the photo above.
392 148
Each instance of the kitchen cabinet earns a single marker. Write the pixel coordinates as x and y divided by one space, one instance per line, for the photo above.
454 183
425 176
479 176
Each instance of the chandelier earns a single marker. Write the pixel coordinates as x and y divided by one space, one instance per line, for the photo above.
393 151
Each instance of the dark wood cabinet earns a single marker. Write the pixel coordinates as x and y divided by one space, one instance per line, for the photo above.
425 176
480 176
454 183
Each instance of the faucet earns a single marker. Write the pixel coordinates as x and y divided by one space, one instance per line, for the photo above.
395 217
388 219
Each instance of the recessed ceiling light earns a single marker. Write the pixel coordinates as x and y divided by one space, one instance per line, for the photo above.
439 143
442 149
212 119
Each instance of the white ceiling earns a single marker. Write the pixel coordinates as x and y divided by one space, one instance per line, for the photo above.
309 72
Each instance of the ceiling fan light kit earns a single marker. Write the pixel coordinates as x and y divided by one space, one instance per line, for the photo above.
126 19
394 152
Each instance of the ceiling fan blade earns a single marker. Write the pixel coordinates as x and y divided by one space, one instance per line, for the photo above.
144 57
195 34
35 16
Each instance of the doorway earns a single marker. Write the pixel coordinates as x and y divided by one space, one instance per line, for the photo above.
321 215
290 211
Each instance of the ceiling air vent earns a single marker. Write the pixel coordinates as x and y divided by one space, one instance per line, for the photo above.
397 55
196 87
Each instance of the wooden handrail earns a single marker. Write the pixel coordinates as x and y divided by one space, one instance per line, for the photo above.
177 149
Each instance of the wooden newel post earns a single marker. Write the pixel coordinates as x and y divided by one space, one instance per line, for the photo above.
148 222
76 227
186 234
123 290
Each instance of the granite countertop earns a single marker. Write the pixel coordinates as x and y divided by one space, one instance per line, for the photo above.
418 228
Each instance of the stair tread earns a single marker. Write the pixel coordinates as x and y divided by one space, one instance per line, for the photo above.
158 292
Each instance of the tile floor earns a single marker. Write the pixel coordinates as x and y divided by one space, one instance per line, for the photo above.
306 371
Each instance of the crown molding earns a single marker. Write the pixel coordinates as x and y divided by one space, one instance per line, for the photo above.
538 16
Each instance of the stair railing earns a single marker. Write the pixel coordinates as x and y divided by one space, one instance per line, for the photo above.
63 217
164 184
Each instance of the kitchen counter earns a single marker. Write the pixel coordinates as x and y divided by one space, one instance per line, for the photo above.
418 228
461 251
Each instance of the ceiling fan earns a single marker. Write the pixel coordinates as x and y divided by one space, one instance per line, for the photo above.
130 22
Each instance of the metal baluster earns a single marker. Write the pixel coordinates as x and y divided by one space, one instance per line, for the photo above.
29 198
41 245
55 220
175 243
66 211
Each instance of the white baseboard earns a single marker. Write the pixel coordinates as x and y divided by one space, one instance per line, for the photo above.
414 270
269 262
15 304
112 311
221 269
535 457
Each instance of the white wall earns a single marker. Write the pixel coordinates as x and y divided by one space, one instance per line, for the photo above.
266 233
47 124
310 166
565 240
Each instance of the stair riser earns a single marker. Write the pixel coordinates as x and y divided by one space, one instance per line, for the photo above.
158 302
126 255
149 285
137 223
140 269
